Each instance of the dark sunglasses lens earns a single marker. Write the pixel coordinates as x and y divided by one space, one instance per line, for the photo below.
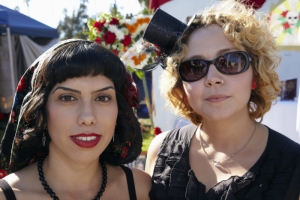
232 63
192 70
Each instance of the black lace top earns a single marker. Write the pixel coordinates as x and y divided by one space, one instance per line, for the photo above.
269 178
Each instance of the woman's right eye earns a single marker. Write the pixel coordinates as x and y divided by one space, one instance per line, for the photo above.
67 98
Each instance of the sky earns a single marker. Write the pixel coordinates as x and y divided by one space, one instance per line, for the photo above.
50 12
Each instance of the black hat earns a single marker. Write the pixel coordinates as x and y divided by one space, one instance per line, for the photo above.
164 30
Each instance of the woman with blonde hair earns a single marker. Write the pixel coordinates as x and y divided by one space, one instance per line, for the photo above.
221 76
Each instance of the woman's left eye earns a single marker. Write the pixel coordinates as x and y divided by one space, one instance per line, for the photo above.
103 98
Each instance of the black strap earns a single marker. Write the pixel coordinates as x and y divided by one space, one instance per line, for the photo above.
130 182
8 192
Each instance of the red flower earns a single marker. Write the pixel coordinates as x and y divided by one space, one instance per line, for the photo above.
115 51
3 173
114 21
1 116
283 14
124 152
286 25
130 92
127 40
21 85
99 25
12 117
98 40
157 131
109 37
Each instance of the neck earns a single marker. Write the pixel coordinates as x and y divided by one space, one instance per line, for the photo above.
224 136
63 173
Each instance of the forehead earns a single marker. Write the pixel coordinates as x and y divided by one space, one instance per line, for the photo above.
208 42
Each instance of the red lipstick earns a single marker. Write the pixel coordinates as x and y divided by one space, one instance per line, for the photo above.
85 140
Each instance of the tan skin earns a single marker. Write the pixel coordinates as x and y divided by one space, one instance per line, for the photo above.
79 105
222 102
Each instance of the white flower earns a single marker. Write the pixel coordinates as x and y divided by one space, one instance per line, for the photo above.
119 33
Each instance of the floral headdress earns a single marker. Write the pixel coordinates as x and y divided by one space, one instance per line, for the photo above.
123 37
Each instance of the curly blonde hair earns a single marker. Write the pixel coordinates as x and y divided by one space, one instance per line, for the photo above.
245 28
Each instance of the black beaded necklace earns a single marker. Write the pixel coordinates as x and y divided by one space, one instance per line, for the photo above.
53 195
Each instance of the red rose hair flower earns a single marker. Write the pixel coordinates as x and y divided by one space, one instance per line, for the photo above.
124 152
130 93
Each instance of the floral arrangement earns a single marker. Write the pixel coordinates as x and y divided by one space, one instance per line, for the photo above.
123 37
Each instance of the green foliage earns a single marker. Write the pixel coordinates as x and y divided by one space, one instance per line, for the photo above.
74 26
147 132
144 3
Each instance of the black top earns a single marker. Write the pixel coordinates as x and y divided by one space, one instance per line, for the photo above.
275 176
9 194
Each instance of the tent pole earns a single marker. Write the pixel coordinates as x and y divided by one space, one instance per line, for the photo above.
148 104
12 72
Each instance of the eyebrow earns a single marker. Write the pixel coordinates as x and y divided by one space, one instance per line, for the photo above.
220 52
77 91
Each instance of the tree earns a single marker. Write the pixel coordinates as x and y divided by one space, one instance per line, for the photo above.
144 3
74 26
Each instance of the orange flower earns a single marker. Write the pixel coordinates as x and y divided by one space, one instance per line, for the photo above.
137 60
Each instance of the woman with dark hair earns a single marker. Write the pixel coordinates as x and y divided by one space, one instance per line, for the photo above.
222 78
72 128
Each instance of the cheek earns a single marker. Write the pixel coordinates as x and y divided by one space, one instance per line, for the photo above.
193 89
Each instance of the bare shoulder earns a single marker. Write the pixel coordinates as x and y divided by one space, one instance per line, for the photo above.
153 151
12 180
142 182
23 182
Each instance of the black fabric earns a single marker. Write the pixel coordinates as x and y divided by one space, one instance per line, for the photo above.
275 176
130 182
8 192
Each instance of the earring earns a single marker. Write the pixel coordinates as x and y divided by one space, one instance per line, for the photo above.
44 139
254 85
113 139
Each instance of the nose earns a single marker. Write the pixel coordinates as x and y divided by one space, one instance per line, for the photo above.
87 116
213 77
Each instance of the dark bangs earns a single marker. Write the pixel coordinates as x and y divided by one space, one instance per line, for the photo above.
67 62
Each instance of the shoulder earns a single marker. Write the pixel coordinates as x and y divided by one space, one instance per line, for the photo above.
153 150
282 143
24 182
142 182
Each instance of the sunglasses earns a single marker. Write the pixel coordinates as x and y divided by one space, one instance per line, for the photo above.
230 63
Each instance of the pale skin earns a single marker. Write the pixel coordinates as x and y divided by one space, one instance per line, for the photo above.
78 105
222 102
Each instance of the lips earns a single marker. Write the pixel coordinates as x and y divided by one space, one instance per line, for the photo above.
86 140
217 98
